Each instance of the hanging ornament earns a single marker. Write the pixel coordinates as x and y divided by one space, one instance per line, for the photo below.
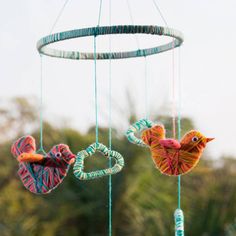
82 155
41 174
172 157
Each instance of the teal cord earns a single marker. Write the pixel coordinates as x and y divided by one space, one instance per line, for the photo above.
41 149
146 98
110 159
159 11
132 21
100 11
59 15
110 133
95 90
179 215
179 130
179 191
95 76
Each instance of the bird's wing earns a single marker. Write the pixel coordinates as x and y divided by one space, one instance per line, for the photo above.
24 150
25 144
155 133
170 143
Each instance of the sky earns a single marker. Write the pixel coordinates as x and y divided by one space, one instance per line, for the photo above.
205 63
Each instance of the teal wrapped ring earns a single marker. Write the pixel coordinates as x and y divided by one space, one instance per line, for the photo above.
105 30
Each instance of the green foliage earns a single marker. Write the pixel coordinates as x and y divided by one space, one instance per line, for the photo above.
143 200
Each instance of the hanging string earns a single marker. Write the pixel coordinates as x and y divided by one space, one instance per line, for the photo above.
159 11
179 215
110 134
179 95
95 90
132 21
95 75
179 123
100 13
146 97
59 15
173 93
41 149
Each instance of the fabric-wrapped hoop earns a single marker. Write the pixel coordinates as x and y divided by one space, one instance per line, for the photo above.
79 163
105 30
138 126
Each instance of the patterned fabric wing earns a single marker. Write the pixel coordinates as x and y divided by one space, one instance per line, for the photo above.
173 161
170 143
153 135
42 177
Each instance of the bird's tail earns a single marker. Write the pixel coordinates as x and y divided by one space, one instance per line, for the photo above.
155 133
25 144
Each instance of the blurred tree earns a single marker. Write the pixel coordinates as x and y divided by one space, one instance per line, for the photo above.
143 199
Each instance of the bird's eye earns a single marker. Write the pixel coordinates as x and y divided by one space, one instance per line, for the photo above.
58 154
195 139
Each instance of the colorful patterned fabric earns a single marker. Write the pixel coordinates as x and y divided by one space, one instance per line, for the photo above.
171 157
82 155
43 176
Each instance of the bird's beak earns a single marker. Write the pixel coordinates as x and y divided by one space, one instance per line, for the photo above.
209 139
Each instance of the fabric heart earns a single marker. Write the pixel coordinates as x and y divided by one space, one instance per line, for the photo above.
82 155
138 127
41 174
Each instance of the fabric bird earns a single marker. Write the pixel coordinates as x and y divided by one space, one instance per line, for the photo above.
41 174
172 157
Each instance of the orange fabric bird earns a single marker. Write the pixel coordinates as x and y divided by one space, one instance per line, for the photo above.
172 157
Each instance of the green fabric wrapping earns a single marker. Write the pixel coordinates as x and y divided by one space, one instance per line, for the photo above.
179 222
82 155
138 126
104 30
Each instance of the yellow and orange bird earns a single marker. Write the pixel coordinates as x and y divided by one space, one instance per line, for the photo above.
172 157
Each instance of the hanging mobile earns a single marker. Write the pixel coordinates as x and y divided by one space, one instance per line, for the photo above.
43 48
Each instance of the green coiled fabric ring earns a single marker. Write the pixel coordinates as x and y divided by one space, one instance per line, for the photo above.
138 126
105 30
82 155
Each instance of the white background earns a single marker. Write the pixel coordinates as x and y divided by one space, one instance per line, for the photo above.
207 63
